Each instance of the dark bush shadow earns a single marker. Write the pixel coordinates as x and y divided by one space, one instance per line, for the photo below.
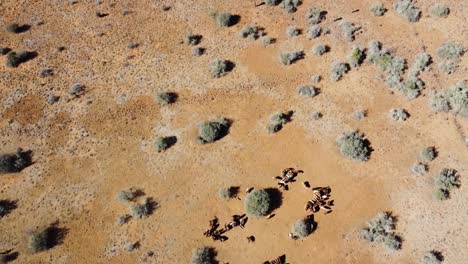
6 206
152 205
311 220
438 255
101 15
230 66
171 140
8 256
15 59
55 235
276 197
14 163
234 20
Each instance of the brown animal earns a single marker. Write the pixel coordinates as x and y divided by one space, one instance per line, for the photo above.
250 239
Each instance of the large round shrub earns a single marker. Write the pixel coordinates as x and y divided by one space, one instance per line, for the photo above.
211 131
354 146
302 228
203 255
258 203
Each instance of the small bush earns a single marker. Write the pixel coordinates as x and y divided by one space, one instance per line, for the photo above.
302 228
408 10
166 98
316 115
251 32
419 169
14 59
39 240
291 5
123 219
16 28
272 2
432 257
447 179
356 57
43 73
338 70
315 15
267 41
198 51
76 90
211 131
359 114
319 49
451 50
440 10
316 78
204 255
314 32
453 99
354 146
12 163
277 121
141 210
448 66
4 50
348 30
191 39
293 31
378 9
398 114
128 196
289 58
6 206
258 203
411 88
164 143
223 19
381 229
227 193
428 154
307 91
219 68
420 64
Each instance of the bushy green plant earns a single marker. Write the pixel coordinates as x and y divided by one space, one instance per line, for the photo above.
127 196
419 168
289 58
11 163
302 228
380 229
448 66
338 70
451 50
420 64
314 32
453 99
316 115
293 31
441 194
432 257
267 41
307 91
354 146
214 130
272 2
398 114
203 255
166 98
348 30
223 19
76 89
428 154
251 32
227 193
219 68
16 28
291 5
408 10
140 210
14 59
447 179
258 203
319 49
440 10
378 9
198 51
277 121
191 39
314 15
163 143
356 57
359 114
40 240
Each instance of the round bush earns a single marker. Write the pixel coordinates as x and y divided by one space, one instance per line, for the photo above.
212 130
302 228
204 255
354 146
258 203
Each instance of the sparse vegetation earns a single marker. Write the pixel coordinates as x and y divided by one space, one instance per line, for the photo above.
359 114
382 229
198 51
277 121
428 154
348 30
354 146
12 163
123 219
356 57
43 73
419 168
40 240
338 70
258 203
302 228
453 99
128 196
251 32
16 28
420 64
14 59
191 39
291 5
289 58
203 255
267 40
319 49
316 78
166 98
227 193
272 2
378 9
307 91
164 143
140 210
219 68
293 31
314 32
432 257
316 115
399 114
76 90
223 19
448 66
408 10
450 50
315 15
211 131
440 10
446 180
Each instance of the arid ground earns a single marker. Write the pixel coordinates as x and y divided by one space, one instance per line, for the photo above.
88 148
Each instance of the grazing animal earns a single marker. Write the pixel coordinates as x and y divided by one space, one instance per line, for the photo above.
248 190
270 216
250 239
292 236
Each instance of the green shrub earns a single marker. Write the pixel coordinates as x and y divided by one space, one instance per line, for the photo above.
302 228
251 32
420 64
408 10
432 257
447 179
140 210
411 88
378 9
123 219
258 203
448 66
203 255
354 146
39 240
381 229
227 193
291 5
314 32
398 114
128 196
16 28
319 49
76 90
272 2
219 68
163 143
419 168
307 91
441 194
223 19
191 39
440 10
277 121
14 59
198 51
289 58
166 98
356 57
211 131
11 163
314 15
453 99
359 114
348 30
316 115
338 70
267 41
293 31
451 50
316 78
428 154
